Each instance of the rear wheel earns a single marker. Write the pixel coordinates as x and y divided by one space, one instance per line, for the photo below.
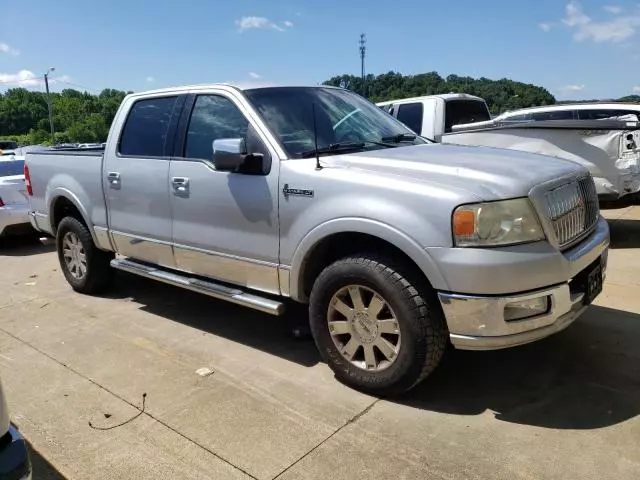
376 324
85 266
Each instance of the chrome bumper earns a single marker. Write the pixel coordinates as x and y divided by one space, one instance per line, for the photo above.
478 322
15 463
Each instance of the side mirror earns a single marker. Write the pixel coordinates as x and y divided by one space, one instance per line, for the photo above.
229 153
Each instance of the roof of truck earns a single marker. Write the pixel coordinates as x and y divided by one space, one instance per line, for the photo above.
235 86
443 96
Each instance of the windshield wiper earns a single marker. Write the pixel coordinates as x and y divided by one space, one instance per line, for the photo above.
401 137
334 148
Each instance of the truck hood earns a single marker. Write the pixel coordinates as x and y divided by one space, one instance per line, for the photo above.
489 173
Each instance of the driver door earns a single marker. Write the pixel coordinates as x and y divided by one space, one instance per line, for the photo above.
225 224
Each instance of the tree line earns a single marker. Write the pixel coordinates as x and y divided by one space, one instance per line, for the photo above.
83 117
501 95
77 116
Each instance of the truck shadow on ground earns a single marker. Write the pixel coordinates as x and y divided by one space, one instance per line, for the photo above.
273 335
625 233
41 468
586 377
25 245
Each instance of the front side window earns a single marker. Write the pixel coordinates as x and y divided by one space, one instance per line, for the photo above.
145 130
297 115
213 117
411 115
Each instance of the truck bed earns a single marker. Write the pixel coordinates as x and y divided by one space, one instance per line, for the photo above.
54 172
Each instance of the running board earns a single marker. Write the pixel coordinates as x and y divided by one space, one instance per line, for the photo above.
216 290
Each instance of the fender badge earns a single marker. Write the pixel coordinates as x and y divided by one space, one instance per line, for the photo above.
297 192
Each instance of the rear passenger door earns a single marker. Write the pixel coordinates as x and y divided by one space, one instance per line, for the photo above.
136 179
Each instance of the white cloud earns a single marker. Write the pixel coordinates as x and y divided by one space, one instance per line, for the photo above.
615 30
255 75
287 24
4 48
572 88
26 79
150 79
615 9
545 26
636 89
246 23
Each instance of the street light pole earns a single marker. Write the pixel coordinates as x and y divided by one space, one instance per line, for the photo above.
49 105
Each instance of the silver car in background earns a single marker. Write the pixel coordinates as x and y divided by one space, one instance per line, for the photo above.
14 203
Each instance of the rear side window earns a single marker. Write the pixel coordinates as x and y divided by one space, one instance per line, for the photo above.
411 115
600 114
553 115
518 118
12 167
146 128
460 112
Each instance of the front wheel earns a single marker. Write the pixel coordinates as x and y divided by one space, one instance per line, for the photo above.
84 265
375 325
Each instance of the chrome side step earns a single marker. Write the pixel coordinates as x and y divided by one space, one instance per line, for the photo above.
222 292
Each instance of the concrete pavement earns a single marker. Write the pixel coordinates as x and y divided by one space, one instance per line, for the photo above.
566 407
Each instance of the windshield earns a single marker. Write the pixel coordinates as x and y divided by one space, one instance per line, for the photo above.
340 117
11 167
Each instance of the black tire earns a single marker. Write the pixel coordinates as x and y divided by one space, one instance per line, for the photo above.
419 317
98 275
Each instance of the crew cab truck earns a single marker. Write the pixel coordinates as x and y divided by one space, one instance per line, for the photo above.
609 148
263 196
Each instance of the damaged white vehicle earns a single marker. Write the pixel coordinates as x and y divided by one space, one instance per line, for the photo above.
608 147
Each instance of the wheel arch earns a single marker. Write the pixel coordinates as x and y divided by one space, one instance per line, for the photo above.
63 204
340 237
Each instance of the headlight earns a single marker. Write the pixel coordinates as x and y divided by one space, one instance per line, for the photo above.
505 222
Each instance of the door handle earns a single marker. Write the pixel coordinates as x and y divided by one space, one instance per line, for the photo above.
113 178
180 184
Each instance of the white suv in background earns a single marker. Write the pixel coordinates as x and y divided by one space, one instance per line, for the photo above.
572 111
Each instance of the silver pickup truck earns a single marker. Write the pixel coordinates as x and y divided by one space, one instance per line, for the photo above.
314 194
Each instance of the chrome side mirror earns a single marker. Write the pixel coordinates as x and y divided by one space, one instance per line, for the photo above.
229 153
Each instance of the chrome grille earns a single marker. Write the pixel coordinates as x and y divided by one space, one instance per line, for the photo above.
573 209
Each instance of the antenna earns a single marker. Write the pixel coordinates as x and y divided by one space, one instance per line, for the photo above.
315 136
363 51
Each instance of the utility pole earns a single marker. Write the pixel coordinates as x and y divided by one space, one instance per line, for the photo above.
49 105
363 50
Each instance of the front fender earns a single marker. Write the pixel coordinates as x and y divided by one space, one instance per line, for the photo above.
365 226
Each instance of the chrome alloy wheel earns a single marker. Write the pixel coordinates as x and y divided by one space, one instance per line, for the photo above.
364 328
75 257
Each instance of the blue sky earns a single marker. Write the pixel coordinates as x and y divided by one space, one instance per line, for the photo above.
585 49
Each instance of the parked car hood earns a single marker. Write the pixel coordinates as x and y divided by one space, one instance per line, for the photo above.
489 173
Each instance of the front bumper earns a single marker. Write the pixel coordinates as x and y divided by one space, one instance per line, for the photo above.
15 463
14 218
477 322
628 183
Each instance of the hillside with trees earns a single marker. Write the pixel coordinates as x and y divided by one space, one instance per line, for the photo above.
77 116
501 95
83 117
